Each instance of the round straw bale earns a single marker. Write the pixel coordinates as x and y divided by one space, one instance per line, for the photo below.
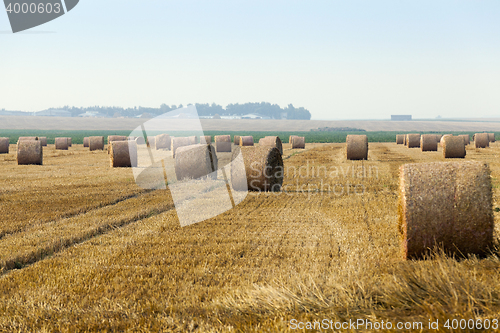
272 141
482 140
441 141
428 142
140 140
178 142
96 143
466 138
70 142
491 137
246 140
112 138
61 143
405 140
413 140
193 140
86 142
445 204
163 141
24 138
43 140
290 138
298 142
356 147
262 169
151 141
123 154
29 152
400 139
196 161
237 140
4 145
223 143
206 139
454 147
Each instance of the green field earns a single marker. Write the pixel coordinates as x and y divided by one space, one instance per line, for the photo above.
312 136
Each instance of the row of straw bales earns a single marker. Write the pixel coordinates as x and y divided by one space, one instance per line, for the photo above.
446 205
261 170
453 146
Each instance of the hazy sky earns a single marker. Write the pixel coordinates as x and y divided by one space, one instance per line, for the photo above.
339 59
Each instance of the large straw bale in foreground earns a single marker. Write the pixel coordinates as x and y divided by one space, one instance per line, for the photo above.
428 142
262 169
223 143
481 140
272 141
29 152
196 161
356 147
454 147
4 145
400 139
163 141
178 142
445 204
123 154
96 143
62 143
491 136
413 140
298 142
246 141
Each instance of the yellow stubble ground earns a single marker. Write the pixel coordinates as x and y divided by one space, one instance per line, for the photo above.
326 247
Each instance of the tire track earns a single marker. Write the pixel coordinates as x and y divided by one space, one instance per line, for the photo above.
74 213
41 241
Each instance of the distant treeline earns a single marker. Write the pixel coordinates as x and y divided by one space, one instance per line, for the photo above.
273 111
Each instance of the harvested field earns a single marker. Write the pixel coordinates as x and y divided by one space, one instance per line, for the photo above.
83 248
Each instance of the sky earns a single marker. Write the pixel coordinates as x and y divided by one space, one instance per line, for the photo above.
338 59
